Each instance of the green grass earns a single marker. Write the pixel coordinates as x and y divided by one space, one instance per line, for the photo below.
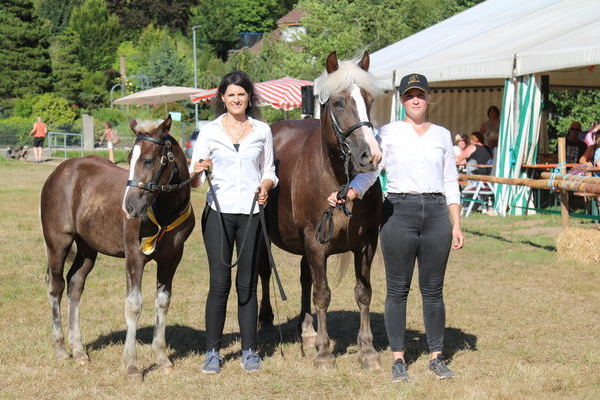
120 155
520 323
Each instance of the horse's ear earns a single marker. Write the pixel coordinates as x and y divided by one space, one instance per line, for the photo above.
133 124
165 127
364 61
331 65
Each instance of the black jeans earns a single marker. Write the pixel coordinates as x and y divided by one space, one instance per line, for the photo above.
220 274
415 226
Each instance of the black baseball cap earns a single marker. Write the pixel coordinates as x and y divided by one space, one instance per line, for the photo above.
413 81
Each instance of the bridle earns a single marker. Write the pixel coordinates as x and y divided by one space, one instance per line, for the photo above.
324 226
166 158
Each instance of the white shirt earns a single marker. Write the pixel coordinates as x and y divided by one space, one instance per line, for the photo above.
235 174
415 164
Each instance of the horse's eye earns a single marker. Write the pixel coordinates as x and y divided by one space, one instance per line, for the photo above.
148 161
338 103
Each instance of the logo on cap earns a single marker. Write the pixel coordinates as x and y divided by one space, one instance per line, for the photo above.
414 79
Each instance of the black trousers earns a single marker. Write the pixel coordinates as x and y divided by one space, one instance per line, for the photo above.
219 250
415 227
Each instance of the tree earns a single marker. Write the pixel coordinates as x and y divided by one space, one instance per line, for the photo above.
221 21
99 34
67 71
57 12
135 15
54 110
24 60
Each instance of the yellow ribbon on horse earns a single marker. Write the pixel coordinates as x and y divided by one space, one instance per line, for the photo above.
148 244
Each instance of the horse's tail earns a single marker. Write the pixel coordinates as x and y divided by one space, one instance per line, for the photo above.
343 261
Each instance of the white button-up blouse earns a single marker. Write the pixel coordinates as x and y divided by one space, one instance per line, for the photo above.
413 163
235 174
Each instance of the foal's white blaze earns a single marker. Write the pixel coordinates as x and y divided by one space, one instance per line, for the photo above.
135 155
368 134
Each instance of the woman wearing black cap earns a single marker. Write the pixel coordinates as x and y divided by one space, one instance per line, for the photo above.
421 220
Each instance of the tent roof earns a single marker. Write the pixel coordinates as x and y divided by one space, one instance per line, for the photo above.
498 39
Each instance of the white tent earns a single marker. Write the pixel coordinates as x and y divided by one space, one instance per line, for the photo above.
494 53
477 49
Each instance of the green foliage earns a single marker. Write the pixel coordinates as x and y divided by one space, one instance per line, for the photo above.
221 21
67 71
99 34
112 115
271 115
55 111
57 12
15 130
572 105
23 106
135 15
24 60
95 89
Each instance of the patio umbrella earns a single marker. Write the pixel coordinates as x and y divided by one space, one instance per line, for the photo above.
283 93
158 95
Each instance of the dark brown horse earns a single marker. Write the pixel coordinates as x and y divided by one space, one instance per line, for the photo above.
310 161
86 201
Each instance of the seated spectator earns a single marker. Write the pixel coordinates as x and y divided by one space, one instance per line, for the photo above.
460 143
490 129
588 137
476 154
574 147
591 156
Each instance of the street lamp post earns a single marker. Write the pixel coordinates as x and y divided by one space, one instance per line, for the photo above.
195 73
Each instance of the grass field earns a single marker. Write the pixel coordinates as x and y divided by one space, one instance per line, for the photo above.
520 323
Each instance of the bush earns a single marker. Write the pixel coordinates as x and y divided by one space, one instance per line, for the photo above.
15 130
24 106
55 111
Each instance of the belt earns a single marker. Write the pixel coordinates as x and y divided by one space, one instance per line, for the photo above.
432 194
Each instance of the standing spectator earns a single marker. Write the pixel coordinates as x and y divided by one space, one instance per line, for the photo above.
240 150
420 222
112 137
490 129
38 132
574 147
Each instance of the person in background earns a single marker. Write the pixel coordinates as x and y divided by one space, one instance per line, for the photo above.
476 154
460 143
38 132
420 221
591 156
111 136
574 147
239 148
490 129
588 137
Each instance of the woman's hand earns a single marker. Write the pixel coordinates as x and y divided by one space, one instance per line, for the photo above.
333 200
202 166
458 239
263 195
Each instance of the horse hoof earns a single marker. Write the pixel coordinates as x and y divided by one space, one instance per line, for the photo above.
133 374
81 358
370 360
61 354
266 327
324 361
167 370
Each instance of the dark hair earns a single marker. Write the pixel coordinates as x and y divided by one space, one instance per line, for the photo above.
238 78
108 124
493 108
478 135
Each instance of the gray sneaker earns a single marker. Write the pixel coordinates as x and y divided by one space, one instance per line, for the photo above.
212 362
399 371
251 361
439 368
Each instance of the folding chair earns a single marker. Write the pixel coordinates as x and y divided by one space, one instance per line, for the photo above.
476 192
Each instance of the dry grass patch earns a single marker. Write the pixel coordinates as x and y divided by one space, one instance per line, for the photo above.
521 323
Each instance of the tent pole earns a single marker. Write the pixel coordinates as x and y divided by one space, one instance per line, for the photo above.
564 196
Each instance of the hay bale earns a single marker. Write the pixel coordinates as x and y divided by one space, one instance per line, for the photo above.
579 244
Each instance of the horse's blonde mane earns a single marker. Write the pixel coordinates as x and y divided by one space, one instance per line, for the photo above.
148 126
348 74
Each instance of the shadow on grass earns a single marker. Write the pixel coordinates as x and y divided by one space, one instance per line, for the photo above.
502 239
343 330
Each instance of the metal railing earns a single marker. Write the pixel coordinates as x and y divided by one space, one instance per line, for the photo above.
65 141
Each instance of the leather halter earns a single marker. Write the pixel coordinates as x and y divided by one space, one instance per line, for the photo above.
166 158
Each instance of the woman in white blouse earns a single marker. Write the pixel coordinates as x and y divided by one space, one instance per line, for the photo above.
239 148
421 220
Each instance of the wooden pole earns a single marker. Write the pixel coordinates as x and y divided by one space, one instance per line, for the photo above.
564 196
566 185
576 178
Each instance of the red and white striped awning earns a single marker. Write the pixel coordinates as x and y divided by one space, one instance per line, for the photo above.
282 93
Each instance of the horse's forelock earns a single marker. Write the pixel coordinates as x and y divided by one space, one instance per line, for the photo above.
148 126
348 74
